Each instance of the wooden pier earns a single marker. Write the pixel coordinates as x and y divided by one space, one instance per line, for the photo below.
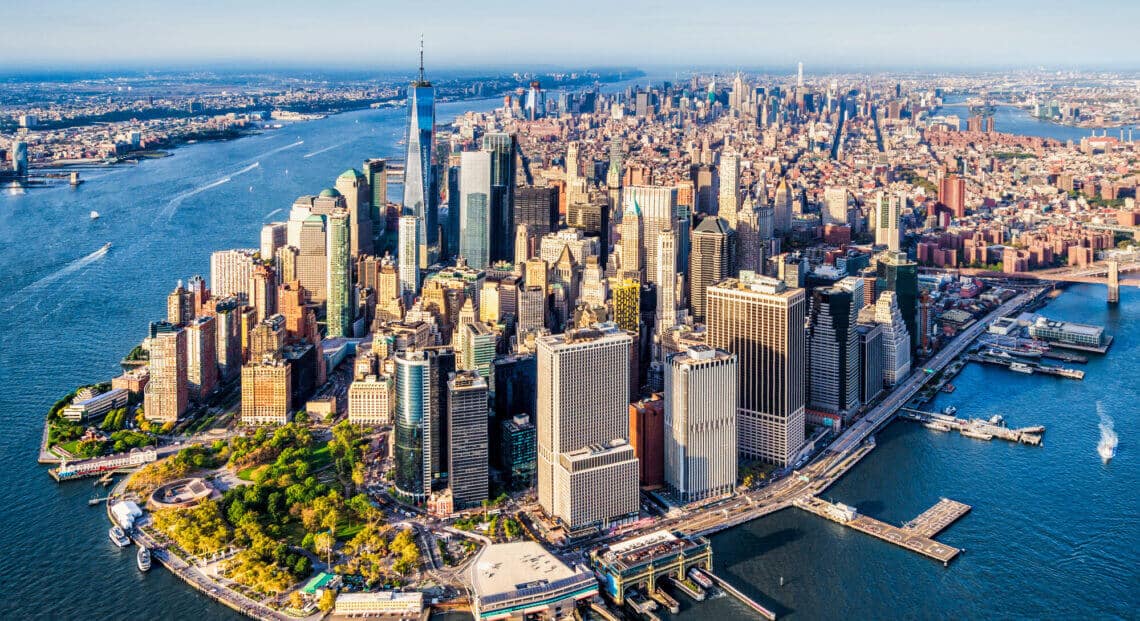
916 536
974 428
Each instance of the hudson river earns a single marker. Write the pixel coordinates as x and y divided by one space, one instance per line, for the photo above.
1052 533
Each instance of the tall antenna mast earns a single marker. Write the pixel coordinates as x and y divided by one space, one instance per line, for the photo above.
421 57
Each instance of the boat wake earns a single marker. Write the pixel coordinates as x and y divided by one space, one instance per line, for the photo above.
62 272
172 204
1106 448
272 213
280 149
320 151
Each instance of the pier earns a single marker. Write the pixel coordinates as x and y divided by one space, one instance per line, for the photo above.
974 428
916 536
1028 368
727 587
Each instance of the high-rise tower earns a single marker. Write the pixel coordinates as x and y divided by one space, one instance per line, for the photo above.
418 171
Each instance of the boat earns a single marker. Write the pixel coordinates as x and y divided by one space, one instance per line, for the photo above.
106 246
950 410
937 426
118 537
1021 367
94 501
94 215
700 578
996 419
1036 429
142 558
977 435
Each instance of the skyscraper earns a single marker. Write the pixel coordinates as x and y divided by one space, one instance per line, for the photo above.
835 199
339 312
266 390
587 472
201 357
467 439
503 149
899 274
413 419
658 209
166 394
952 194
728 200
408 259
666 281
353 186
227 348
179 309
537 207
263 291
376 174
870 361
313 260
782 208
418 170
896 339
273 236
474 208
761 320
230 271
700 423
710 261
833 348
888 211
632 265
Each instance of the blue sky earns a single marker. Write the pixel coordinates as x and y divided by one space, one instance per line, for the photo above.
384 33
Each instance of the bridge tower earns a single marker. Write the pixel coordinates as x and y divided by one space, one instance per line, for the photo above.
1113 281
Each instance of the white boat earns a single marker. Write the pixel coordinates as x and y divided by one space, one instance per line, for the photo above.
118 537
950 410
94 215
142 559
1021 367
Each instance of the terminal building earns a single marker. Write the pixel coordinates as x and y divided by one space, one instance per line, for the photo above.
1071 335
644 560
522 580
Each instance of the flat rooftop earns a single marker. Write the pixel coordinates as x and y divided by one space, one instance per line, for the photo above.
509 567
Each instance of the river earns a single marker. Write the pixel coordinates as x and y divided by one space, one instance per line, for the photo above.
1011 120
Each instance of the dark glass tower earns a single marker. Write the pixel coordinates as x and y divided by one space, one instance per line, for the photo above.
504 153
899 274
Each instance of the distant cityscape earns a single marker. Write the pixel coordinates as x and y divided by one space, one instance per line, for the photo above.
526 370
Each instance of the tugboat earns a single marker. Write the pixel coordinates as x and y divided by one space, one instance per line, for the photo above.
118 537
142 559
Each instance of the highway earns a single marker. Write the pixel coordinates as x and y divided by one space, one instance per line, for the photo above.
843 453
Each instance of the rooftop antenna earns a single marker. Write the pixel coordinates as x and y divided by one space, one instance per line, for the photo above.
421 57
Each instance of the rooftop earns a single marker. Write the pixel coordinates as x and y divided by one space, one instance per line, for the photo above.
509 567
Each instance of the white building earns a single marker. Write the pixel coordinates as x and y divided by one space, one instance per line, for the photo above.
230 272
896 339
371 400
700 423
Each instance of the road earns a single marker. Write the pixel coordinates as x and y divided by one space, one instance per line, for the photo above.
839 457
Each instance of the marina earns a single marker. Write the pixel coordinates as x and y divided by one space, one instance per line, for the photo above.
1027 368
916 535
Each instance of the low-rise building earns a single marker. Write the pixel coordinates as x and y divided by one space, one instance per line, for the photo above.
380 603
522 580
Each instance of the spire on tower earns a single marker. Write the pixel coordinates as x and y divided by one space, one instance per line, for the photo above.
421 57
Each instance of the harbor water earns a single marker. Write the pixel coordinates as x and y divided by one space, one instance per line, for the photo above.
1051 535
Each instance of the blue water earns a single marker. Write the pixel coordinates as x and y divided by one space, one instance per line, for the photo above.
1052 532
69 315
1010 120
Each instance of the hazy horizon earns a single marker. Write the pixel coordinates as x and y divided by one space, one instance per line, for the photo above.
892 35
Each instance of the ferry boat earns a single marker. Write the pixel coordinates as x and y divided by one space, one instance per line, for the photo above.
94 215
700 578
1021 367
142 559
118 537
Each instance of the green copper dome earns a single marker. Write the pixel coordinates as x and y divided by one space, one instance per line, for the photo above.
329 193
351 173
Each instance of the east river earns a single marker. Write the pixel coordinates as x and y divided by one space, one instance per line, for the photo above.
1053 532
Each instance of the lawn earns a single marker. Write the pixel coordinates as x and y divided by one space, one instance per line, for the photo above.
246 474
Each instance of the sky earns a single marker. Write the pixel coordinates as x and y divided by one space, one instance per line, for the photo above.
383 34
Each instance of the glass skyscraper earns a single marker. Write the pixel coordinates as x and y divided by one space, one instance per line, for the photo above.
503 149
413 412
418 171
340 312
475 189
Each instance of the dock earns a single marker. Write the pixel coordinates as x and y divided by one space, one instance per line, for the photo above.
916 536
974 428
733 591
1027 367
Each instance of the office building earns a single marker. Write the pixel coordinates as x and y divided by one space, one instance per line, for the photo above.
537 208
263 291
517 451
227 331
835 206
632 264
899 274
376 175
166 394
592 217
657 207
647 436
626 302
833 348
353 186
503 149
710 261
273 237
700 423
420 201
414 415
896 338
339 313
179 308
888 214
667 298
952 194
728 199
312 258
761 320
467 439
870 361
474 208
408 248
587 471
